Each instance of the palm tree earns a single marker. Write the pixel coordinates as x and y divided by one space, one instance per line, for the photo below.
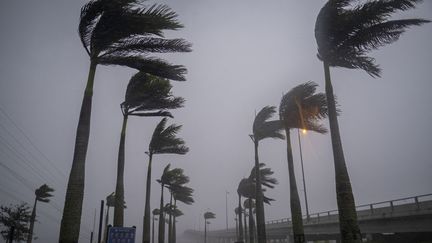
344 37
300 108
116 33
262 128
146 95
110 202
43 193
183 194
168 178
154 212
250 204
163 141
207 216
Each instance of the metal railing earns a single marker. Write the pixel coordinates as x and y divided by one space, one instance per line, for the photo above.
372 206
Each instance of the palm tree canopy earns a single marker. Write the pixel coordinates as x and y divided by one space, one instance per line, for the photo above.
262 128
182 194
249 203
172 210
173 177
246 188
148 95
302 108
209 215
110 200
345 33
265 173
43 193
164 140
156 211
124 32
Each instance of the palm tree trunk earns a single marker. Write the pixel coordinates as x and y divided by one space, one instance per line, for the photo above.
251 223
105 234
261 230
350 231
170 221
146 225
71 218
161 235
240 235
153 229
296 213
174 233
205 230
32 220
245 227
119 193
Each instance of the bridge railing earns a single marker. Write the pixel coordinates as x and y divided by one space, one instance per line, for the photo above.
325 215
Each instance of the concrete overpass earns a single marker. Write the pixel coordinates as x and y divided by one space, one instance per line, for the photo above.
402 218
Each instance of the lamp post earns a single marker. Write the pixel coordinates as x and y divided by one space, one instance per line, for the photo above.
304 182
226 208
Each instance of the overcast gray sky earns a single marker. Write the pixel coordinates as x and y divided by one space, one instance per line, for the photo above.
245 55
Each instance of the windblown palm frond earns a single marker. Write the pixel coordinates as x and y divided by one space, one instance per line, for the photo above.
125 32
156 211
164 140
344 36
246 188
262 128
265 173
43 193
209 215
148 95
182 194
302 108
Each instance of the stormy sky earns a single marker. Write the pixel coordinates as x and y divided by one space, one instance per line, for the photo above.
246 54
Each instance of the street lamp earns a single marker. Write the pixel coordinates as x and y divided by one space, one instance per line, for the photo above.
226 208
301 160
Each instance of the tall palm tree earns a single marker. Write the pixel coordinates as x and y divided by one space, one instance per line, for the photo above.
344 36
43 193
250 205
249 191
154 212
182 194
262 128
168 178
146 95
300 108
207 216
116 33
163 141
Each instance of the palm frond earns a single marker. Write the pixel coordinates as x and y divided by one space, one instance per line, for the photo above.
209 215
164 140
151 65
145 44
266 129
344 36
265 173
90 14
43 193
148 95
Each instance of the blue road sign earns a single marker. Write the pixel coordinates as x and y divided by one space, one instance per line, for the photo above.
121 235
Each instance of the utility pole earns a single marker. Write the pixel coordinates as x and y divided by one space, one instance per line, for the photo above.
94 223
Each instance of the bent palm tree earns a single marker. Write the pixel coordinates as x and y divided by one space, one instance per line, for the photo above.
262 128
146 95
182 194
115 33
344 36
207 216
300 108
43 193
164 141
168 178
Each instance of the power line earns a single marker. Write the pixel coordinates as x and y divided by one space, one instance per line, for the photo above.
30 141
